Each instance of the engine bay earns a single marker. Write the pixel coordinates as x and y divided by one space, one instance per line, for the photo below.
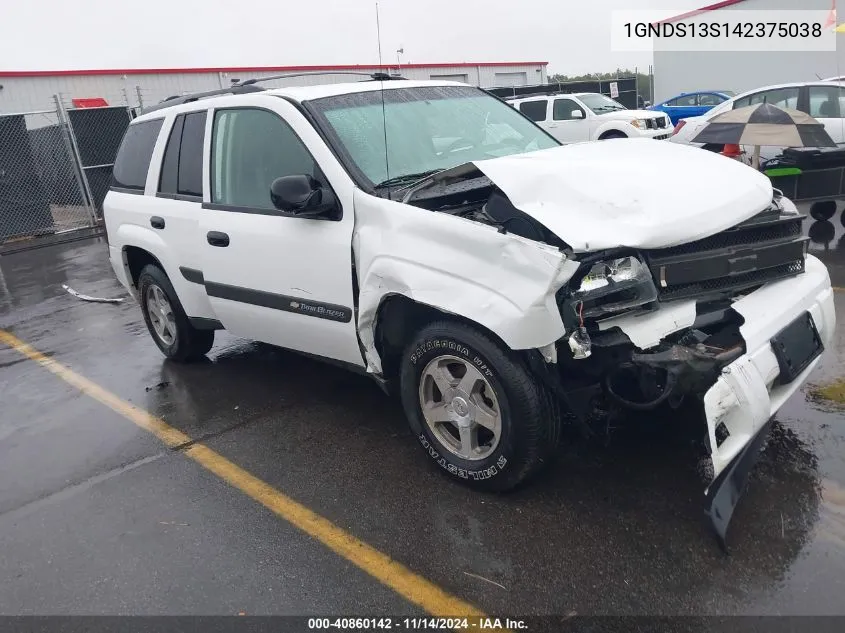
476 198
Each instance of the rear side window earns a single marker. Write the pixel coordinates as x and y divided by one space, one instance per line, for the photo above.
534 110
181 168
133 157
686 101
710 100
781 97
190 155
168 179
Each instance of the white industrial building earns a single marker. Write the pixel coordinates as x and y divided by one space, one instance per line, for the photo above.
682 71
28 91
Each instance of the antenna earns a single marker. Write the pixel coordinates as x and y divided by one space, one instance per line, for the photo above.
378 35
383 111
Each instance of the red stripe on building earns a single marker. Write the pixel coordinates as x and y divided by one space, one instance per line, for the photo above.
243 69
711 7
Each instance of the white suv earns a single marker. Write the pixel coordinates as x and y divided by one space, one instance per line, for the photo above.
823 100
590 116
431 236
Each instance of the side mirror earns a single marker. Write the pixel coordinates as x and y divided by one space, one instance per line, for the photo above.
576 114
302 196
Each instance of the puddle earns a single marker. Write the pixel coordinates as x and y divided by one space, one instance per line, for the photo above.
833 393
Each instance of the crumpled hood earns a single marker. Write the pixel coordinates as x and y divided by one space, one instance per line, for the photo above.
639 193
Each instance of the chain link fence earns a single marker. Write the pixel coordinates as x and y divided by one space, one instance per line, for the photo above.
625 90
55 168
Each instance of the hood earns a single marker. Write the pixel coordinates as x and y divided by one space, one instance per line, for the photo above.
639 193
630 115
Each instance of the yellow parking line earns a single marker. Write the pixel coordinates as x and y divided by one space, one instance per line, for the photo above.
838 289
380 566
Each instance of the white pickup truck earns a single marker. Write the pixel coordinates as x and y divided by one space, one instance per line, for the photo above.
431 236
591 116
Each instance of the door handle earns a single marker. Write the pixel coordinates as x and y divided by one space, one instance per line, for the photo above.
157 222
216 238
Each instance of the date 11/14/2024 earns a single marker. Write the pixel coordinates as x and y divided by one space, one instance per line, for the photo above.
417 624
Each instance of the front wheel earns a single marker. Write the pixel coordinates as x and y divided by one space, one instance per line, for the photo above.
166 319
612 134
475 407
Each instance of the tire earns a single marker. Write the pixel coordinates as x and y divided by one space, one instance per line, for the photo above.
529 420
612 134
823 209
185 344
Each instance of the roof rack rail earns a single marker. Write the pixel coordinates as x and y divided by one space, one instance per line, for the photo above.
249 85
196 96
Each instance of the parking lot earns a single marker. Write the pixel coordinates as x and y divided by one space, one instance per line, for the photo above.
261 482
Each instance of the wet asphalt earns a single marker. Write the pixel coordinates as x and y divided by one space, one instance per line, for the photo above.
98 517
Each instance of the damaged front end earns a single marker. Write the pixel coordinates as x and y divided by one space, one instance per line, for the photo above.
663 296
649 328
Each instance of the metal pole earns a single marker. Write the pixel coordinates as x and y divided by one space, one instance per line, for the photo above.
140 97
78 158
651 82
125 96
75 162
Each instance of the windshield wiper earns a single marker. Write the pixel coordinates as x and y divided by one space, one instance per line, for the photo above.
406 178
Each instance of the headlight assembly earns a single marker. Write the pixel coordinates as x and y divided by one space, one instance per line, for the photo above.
639 123
613 286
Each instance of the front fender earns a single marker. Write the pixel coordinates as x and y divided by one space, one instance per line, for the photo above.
615 126
503 282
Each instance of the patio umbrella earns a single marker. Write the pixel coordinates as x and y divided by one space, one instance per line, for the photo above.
765 124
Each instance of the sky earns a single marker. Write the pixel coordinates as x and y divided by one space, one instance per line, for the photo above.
572 35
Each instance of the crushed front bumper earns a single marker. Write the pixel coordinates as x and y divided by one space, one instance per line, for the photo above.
750 390
741 385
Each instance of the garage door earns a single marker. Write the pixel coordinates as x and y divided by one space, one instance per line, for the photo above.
511 79
461 78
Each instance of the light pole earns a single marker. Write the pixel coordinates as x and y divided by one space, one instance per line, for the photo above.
399 51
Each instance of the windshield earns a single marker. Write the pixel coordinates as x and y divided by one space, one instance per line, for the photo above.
599 103
427 129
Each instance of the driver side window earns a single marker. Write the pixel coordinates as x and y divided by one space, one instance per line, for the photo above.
563 109
250 149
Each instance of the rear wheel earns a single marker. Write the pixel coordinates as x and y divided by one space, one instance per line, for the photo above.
475 407
166 319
